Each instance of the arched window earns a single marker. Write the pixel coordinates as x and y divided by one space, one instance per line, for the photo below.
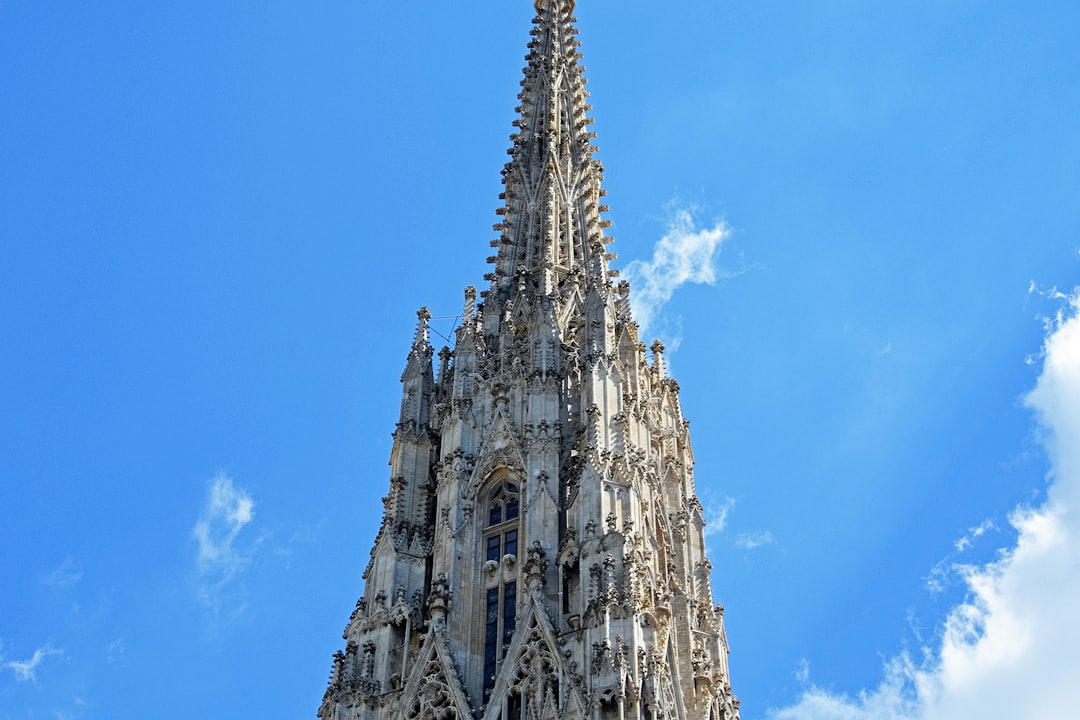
502 527
500 612
503 504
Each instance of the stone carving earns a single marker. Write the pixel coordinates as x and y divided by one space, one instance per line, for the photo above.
435 700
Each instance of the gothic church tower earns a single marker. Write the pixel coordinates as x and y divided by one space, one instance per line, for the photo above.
541 555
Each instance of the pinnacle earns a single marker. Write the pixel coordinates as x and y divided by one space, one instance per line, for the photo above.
421 342
658 358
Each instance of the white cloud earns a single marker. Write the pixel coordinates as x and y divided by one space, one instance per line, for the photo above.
1009 649
227 511
685 254
894 699
26 670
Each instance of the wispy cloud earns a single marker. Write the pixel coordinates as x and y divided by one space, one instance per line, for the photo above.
114 650
802 673
1008 649
950 571
65 575
752 541
74 713
26 670
973 534
716 515
685 254
227 511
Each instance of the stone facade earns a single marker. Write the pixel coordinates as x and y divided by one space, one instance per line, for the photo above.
541 553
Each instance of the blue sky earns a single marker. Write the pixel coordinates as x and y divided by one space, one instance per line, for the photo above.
217 221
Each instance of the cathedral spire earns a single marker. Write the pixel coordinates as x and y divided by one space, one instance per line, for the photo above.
551 226
542 550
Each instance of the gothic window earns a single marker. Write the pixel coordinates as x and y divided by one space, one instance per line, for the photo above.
500 607
501 537
503 504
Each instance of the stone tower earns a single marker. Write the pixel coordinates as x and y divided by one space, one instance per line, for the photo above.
541 554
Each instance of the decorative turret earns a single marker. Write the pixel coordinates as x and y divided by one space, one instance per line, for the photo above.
542 553
418 380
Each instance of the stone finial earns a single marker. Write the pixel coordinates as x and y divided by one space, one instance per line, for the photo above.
535 565
470 304
421 339
444 362
658 358
438 599
570 5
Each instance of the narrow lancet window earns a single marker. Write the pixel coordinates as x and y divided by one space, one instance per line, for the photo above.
501 539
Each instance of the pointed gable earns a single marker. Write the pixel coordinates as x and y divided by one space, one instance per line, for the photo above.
500 449
433 690
534 673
